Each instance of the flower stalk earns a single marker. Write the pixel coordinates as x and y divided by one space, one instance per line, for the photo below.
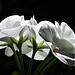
41 66
21 60
48 66
48 58
19 45
30 65
16 57
33 41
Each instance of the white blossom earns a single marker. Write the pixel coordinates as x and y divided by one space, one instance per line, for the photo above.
61 40
33 28
10 27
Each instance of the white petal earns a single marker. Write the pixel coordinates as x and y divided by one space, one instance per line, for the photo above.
66 46
67 32
45 33
8 52
70 61
72 40
34 31
11 21
39 39
13 32
30 32
25 48
66 57
57 27
61 58
2 35
32 21
1 47
5 39
42 23
39 56
36 28
50 45
30 54
24 29
49 34
44 54
16 48
69 54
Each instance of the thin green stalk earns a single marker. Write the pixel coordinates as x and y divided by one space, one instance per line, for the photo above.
16 58
34 44
31 64
19 45
42 65
21 59
48 66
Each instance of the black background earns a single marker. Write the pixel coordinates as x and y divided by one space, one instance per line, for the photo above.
51 10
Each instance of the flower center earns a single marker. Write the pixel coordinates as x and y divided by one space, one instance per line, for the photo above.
56 49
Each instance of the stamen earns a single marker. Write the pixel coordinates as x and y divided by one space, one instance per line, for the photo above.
56 50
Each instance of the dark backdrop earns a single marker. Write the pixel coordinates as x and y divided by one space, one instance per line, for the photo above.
52 10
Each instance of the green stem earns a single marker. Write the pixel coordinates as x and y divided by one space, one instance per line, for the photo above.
48 66
16 58
21 59
31 64
42 65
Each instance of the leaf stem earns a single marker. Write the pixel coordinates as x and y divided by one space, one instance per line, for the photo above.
34 44
16 58
31 64
19 45
48 66
42 65
21 59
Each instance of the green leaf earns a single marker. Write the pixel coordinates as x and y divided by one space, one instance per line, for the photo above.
44 47
26 38
34 44
41 50
41 44
5 44
30 40
20 42
30 46
21 39
13 40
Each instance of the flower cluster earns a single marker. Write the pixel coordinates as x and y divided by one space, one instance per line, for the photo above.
39 41
15 26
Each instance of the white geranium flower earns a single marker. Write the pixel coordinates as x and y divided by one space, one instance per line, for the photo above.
61 40
10 27
33 28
